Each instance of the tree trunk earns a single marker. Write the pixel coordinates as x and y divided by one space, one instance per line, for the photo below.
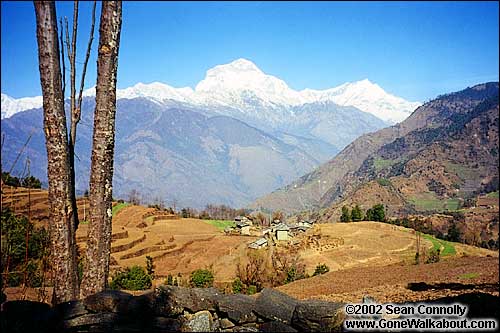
96 273
61 226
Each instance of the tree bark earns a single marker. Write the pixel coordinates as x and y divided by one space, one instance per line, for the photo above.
62 218
95 277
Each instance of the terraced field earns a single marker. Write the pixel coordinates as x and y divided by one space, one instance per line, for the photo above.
182 245
178 246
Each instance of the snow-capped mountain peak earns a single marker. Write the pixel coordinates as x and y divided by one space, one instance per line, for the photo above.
225 84
11 106
368 97
157 91
243 86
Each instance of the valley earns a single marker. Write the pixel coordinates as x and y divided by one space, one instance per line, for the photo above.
379 257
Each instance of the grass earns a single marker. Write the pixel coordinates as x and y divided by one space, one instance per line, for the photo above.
492 195
384 182
463 172
220 224
380 163
118 207
447 247
83 222
468 276
429 201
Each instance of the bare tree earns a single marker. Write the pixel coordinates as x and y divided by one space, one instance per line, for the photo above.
75 105
62 215
101 174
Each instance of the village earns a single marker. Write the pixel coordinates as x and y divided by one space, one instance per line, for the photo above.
278 231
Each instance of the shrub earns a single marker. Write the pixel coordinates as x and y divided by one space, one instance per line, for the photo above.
251 290
433 256
202 278
170 280
133 278
383 181
237 286
356 214
31 182
346 215
321 269
376 213
10 180
150 266
14 230
251 269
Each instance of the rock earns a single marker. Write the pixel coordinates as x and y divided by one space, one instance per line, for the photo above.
108 301
198 322
225 323
314 315
170 300
276 326
275 305
245 329
68 310
101 320
27 316
238 308
166 324
142 306
368 299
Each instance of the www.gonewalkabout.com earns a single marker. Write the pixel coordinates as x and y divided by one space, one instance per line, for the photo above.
414 317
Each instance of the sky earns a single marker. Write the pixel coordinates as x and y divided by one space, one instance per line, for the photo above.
416 50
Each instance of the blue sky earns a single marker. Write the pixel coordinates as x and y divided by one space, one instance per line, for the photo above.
416 50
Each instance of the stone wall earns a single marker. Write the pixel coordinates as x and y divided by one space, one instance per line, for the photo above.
168 309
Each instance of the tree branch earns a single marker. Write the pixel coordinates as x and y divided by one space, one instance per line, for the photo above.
87 56
63 60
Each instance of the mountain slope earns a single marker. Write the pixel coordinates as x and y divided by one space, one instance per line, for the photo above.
430 169
334 180
172 154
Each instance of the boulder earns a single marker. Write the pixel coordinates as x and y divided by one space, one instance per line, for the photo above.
245 329
108 301
104 320
27 316
163 324
199 322
170 300
275 305
315 315
225 323
69 310
275 326
238 308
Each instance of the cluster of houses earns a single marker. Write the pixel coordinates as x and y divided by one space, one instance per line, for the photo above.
278 231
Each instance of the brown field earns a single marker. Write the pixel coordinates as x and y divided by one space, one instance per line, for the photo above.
363 257
367 244
390 283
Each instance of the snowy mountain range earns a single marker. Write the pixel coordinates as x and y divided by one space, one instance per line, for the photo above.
241 88
236 136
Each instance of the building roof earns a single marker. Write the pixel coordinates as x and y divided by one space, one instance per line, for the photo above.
241 224
259 242
281 227
241 218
